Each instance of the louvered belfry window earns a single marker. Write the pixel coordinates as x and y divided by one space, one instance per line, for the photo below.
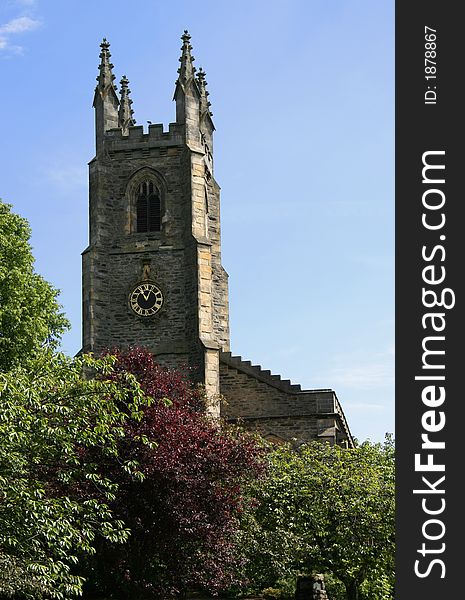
148 207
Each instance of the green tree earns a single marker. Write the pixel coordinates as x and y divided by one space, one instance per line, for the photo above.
54 501
184 515
328 509
30 315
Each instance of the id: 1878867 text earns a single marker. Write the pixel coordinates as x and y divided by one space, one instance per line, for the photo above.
430 65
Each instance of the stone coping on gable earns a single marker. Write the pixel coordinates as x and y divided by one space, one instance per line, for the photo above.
286 386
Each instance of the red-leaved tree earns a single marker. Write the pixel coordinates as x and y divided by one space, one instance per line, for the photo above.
184 514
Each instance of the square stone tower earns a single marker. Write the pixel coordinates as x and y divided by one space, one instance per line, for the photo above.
152 273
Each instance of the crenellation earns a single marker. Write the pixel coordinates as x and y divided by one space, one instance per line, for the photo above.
156 131
117 140
134 133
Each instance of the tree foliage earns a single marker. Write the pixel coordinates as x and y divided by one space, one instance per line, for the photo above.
53 501
30 315
327 509
184 515
111 470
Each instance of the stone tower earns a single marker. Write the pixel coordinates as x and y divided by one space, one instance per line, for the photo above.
152 273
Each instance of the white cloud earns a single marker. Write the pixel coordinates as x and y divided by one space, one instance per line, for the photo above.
13 27
19 25
363 372
363 376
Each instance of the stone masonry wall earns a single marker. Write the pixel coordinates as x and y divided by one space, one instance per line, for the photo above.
114 262
184 258
219 275
278 413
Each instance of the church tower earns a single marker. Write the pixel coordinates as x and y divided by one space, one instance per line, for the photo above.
152 273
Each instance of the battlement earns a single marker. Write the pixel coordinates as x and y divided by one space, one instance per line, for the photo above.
136 137
115 126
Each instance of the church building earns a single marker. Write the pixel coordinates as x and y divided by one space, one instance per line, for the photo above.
152 273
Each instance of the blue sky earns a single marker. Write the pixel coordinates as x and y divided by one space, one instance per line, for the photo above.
303 99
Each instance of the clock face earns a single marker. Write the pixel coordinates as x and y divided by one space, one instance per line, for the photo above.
146 299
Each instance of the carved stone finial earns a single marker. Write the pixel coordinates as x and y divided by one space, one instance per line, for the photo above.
125 118
105 77
204 103
201 75
186 70
106 99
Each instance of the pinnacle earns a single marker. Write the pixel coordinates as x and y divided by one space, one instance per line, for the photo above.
201 74
125 112
202 83
186 70
105 78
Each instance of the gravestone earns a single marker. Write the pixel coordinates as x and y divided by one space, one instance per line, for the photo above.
311 588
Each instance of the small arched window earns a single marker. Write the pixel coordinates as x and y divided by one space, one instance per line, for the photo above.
148 207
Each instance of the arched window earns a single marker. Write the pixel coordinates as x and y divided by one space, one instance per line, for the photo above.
148 207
